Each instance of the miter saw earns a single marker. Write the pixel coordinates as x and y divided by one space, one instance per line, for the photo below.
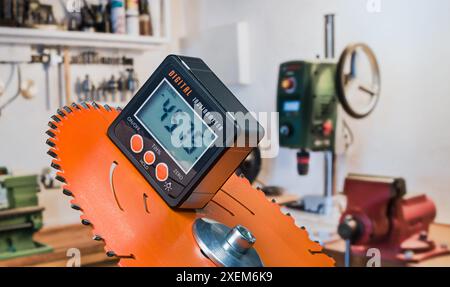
161 191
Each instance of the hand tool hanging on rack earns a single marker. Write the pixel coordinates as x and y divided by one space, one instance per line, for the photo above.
115 89
102 90
19 88
77 89
67 74
61 78
132 81
86 88
92 57
122 86
25 89
44 58
112 87
50 58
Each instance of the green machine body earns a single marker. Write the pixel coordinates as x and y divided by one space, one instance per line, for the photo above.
307 105
20 217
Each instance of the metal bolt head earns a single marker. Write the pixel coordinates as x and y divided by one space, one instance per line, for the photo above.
240 239
423 236
409 254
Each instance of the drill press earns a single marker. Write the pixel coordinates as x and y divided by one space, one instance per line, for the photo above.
307 101
20 217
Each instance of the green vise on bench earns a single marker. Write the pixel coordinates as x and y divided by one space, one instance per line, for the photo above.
20 217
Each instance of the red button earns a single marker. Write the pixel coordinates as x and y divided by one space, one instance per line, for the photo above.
327 128
136 143
287 83
162 171
149 157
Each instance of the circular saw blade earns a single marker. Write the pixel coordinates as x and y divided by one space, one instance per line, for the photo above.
136 224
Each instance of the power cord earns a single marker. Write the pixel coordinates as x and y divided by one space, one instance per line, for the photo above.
349 135
19 89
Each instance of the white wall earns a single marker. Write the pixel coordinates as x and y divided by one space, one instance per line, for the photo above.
408 134
23 123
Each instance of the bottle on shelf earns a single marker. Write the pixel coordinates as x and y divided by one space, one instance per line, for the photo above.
118 16
87 19
145 23
132 17
101 17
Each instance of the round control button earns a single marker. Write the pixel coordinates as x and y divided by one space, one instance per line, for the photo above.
149 157
285 130
287 84
162 171
327 128
137 143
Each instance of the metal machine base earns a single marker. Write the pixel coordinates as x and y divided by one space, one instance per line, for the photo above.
39 249
228 247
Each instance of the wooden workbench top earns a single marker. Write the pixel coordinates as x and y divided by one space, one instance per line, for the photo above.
61 239
78 236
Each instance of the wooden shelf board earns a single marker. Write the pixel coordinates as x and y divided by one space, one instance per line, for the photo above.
47 37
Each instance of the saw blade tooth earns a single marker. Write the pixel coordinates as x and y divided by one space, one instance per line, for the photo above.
119 109
50 143
97 237
95 105
52 153
67 192
315 252
108 108
85 222
52 125
55 118
76 106
67 109
85 105
55 166
60 178
61 113
75 206
50 133
113 254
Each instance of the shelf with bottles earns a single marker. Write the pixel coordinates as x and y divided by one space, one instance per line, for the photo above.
88 35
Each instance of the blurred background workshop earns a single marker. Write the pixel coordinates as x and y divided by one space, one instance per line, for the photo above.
356 149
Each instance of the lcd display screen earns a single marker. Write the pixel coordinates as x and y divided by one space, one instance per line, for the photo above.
291 106
175 126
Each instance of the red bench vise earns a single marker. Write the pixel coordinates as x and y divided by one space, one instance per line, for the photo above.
378 216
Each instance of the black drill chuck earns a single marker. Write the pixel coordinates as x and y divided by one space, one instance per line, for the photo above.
302 162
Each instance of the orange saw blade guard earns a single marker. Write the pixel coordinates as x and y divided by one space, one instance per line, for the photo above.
136 224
